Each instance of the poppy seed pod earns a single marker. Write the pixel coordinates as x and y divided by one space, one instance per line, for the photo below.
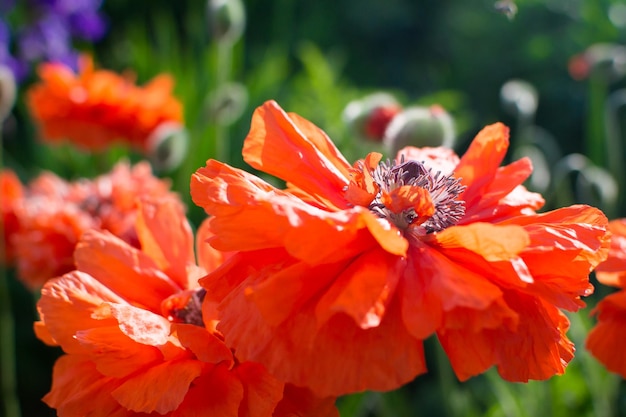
226 104
519 98
167 146
8 91
227 19
421 127
604 59
369 117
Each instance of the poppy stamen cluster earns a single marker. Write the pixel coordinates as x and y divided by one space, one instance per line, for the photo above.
185 307
412 195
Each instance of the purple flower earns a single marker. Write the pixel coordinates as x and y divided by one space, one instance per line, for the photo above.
88 25
49 37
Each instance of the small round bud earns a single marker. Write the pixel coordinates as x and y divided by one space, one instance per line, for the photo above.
519 98
227 103
506 7
8 92
603 59
167 146
369 117
227 19
420 127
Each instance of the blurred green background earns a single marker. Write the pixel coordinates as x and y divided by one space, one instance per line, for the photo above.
316 57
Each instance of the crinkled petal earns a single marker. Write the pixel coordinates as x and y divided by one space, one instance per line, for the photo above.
613 270
262 392
127 271
238 200
138 324
606 340
536 348
217 392
209 258
503 196
363 289
432 285
295 150
67 305
160 388
565 245
205 346
114 354
166 237
482 160
303 403
78 389
492 242
338 367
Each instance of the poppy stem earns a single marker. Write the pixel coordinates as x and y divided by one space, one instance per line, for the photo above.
8 381
223 74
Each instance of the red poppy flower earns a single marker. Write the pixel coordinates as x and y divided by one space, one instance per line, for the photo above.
136 337
11 191
51 214
94 108
339 278
607 337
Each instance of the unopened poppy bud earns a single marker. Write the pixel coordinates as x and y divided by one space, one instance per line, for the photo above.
167 146
227 19
506 7
420 127
8 90
519 98
603 59
227 103
369 117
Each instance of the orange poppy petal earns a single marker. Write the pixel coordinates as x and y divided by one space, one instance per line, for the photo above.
78 389
482 160
140 325
536 348
209 258
288 289
160 388
503 196
238 199
166 237
432 285
217 392
613 270
114 354
492 242
204 345
606 340
296 151
338 366
579 232
362 290
61 299
302 402
262 392
125 270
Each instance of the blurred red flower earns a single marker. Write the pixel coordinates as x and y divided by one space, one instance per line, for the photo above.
11 192
607 337
137 338
339 278
94 108
45 219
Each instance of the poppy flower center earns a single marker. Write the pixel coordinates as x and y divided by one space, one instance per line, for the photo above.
412 195
184 307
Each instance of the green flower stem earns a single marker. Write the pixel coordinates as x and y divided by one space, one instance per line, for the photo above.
223 75
8 377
